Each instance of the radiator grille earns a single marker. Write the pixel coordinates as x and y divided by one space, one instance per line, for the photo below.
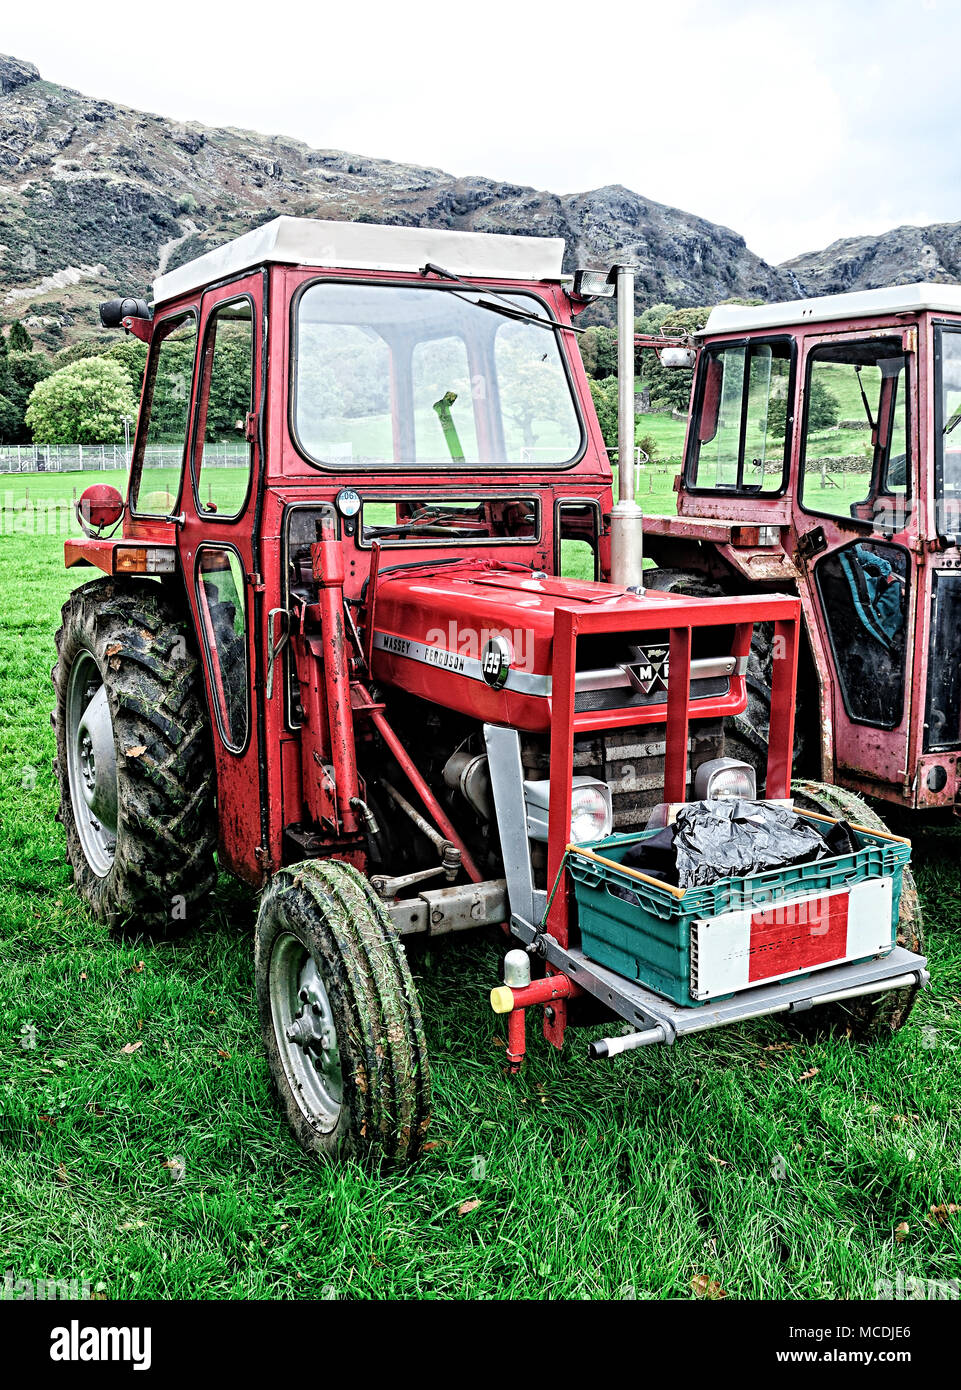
629 761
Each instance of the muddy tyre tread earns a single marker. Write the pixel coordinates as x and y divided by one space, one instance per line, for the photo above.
331 908
880 1015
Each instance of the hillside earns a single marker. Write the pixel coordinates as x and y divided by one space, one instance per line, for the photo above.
901 256
95 198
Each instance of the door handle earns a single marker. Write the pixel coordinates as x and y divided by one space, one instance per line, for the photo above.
275 646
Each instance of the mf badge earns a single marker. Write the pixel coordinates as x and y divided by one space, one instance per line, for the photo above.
496 662
651 668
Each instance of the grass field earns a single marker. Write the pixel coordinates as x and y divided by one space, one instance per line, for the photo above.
776 1170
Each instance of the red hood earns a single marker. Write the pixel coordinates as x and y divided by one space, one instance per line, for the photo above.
433 625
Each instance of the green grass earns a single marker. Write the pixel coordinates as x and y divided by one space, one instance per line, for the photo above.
667 433
594 1180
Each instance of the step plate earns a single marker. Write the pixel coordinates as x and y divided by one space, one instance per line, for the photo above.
643 1008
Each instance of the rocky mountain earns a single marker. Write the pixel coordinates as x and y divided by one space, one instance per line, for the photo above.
899 257
96 199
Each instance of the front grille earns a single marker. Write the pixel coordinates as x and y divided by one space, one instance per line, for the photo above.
630 761
591 700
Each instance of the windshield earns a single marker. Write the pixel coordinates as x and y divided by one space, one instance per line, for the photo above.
424 377
948 432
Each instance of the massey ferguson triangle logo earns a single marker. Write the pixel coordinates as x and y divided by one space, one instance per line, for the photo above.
652 668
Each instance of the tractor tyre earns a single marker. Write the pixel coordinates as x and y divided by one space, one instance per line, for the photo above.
134 763
340 1017
746 735
877 1015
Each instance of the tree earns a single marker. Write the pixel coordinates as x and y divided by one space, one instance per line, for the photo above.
823 410
599 351
131 354
605 403
81 404
650 320
229 398
10 420
18 339
24 370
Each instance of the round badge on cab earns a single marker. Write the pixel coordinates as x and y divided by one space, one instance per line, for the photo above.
496 662
347 502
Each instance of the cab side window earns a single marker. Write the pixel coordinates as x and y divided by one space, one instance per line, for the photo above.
741 413
162 436
226 397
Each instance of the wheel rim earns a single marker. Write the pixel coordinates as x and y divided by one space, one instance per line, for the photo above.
92 764
306 1035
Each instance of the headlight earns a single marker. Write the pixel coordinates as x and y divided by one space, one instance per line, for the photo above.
591 810
725 777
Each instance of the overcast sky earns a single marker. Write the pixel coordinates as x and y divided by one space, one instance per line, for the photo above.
795 122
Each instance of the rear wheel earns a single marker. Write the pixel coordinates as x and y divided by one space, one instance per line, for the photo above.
133 757
340 1017
878 1015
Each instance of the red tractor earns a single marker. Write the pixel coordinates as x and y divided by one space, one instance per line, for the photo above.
823 459
334 652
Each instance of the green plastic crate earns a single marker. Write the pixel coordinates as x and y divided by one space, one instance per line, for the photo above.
648 938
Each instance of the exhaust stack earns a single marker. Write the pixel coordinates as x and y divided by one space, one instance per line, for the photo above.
627 539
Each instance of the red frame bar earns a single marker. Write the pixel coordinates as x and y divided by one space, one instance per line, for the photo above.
424 792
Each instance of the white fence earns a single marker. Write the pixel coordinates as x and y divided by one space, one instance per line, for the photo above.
85 458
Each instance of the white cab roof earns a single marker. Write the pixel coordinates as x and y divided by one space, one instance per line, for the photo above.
899 299
367 246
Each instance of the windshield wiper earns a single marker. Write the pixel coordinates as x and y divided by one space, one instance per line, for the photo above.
425 518
505 307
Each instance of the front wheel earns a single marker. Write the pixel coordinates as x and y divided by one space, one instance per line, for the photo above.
876 1015
339 1016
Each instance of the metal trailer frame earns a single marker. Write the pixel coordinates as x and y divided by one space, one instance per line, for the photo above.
544 924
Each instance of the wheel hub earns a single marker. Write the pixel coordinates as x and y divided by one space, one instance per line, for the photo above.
305 1029
92 764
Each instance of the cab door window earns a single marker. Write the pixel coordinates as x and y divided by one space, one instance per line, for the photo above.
864 592
742 412
855 461
223 453
223 621
162 435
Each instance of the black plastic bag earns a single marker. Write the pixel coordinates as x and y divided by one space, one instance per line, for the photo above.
714 840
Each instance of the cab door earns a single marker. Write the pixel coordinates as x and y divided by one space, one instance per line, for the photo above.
856 523
218 551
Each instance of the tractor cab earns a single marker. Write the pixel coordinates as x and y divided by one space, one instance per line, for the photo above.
373 629
823 458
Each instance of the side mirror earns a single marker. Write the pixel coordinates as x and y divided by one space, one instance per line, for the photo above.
114 311
99 506
678 357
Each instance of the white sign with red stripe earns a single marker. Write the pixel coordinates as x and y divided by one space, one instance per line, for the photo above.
760 943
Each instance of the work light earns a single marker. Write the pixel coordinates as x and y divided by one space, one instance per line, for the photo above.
591 809
593 284
725 777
